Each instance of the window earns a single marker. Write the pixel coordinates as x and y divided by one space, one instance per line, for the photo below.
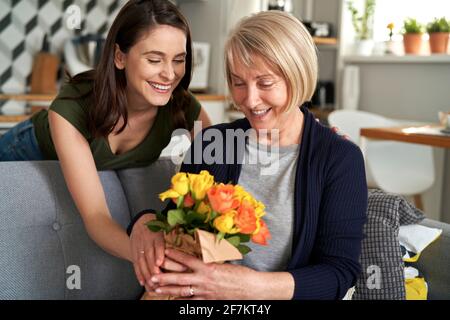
397 11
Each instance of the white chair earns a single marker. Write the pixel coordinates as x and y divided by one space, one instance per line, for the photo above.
395 167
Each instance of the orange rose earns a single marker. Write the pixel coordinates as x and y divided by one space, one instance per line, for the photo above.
263 235
245 218
221 198
188 201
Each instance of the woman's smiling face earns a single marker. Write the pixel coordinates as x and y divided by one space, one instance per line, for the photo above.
154 66
261 94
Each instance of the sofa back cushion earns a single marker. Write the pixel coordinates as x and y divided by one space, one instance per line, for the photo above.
44 245
143 185
434 262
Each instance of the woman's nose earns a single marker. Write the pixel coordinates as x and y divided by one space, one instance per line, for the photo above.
252 98
168 72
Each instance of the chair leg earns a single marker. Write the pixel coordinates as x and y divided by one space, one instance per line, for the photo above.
418 201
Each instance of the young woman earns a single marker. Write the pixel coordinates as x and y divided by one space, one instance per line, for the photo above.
117 116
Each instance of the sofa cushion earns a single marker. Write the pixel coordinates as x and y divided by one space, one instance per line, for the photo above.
143 185
42 236
433 262
382 274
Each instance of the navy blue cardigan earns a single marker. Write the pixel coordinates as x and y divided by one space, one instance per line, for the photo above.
330 204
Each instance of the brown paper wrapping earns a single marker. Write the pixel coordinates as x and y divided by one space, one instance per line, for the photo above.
203 245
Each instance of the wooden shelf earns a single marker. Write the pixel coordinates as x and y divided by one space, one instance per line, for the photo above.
210 97
4 118
28 97
50 97
325 41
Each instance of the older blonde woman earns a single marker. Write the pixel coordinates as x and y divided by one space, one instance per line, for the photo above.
316 198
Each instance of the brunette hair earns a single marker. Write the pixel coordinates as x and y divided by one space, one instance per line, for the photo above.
109 90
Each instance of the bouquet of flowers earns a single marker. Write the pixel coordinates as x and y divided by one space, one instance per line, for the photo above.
211 220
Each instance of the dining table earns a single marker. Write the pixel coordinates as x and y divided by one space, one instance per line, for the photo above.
432 135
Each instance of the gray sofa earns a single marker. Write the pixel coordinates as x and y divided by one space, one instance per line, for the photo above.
45 252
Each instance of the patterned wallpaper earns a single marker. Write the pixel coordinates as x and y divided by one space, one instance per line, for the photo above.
23 24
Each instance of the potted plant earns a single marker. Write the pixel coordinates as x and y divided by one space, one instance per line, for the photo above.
438 30
390 44
412 36
362 23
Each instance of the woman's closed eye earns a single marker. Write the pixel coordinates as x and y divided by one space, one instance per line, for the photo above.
154 61
238 84
265 84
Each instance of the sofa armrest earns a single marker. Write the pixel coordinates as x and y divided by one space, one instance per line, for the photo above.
434 262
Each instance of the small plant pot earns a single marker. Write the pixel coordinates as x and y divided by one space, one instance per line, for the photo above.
439 42
364 47
412 43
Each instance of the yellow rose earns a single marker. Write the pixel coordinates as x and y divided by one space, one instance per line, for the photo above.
259 209
241 194
168 194
180 183
225 222
204 209
200 183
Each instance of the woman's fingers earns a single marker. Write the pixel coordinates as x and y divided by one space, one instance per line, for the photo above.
174 279
159 251
191 262
336 130
143 261
139 275
178 291
173 266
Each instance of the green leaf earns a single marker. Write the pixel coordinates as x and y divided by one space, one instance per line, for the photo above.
180 201
156 226
193 217
175 217
220 236
234 240
243 249
197 202
244 237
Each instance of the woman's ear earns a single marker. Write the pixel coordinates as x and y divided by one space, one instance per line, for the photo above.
119 58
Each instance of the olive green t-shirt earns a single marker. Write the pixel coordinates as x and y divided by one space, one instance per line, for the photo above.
76 112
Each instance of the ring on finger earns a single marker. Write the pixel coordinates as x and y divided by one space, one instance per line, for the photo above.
191 291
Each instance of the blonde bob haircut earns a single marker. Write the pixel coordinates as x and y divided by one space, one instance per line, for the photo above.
284 43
